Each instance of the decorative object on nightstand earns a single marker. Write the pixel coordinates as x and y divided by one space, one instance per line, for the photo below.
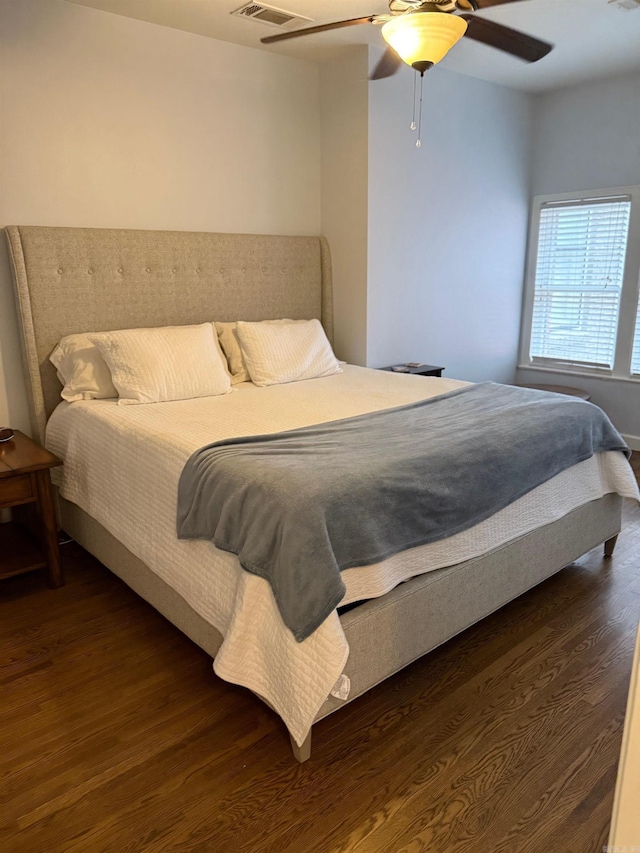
416 368
25 482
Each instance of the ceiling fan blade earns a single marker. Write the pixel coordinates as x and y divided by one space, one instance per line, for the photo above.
486 4
504 38
388 65
322 28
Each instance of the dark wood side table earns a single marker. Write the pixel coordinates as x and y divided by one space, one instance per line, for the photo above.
25 479
420 370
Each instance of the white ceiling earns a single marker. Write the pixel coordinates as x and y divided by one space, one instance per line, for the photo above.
592 38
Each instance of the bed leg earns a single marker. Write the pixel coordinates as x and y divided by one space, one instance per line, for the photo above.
609 546
302 753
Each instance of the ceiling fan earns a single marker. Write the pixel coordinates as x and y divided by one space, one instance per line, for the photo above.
421 33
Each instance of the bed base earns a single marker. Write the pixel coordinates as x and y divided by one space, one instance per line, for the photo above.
389 633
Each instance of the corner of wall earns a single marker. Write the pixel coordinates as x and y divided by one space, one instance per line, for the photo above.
344 111
448 224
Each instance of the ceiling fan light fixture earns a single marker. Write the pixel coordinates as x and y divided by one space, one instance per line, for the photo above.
421 39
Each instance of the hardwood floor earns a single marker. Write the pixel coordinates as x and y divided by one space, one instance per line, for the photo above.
115 735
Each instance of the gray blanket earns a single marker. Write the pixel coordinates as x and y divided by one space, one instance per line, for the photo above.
299 506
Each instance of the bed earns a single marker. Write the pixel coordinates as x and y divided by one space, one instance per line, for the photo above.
77 280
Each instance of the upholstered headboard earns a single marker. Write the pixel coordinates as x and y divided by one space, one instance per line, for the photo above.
86 279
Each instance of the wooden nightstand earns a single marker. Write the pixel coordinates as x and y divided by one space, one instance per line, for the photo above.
25 479
421 370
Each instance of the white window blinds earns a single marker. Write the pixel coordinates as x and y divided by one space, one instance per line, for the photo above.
579 275
635 358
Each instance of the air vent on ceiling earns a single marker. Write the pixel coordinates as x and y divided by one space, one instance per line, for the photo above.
626 4
271 16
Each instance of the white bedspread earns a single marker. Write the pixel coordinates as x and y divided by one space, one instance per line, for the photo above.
122 466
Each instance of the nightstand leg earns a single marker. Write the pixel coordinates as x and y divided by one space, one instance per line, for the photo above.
49 528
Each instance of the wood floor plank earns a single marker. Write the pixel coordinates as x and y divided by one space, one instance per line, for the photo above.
485 782
115 735
564 802
463 755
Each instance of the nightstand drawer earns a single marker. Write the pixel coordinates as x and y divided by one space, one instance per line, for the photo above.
24 479
15 490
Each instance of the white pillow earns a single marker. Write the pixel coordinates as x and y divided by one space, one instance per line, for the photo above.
82 370
228 337
158 365
288 352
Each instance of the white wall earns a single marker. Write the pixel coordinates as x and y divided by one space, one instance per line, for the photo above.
447 224
587 137
107 121
345 119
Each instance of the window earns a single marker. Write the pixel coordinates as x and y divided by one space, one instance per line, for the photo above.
581 306
635 360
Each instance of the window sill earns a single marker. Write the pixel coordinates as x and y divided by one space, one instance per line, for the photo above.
588 374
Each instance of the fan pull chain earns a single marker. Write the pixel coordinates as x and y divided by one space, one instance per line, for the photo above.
413 120
418 140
